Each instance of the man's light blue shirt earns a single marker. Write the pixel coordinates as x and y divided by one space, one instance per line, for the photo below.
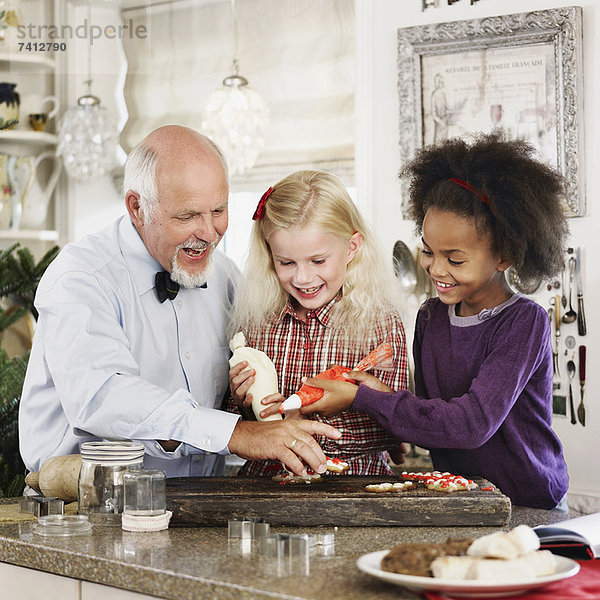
110 361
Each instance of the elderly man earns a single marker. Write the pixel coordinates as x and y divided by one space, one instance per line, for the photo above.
131 340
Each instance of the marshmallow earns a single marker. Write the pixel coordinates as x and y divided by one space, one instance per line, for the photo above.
452 567
543 562
521 540
495 545
529 566
491 569
524 538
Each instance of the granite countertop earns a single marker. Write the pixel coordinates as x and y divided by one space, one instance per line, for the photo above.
188 563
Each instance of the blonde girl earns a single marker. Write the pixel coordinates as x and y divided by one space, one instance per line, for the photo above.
317 292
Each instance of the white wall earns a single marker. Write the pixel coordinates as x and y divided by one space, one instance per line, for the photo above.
379 190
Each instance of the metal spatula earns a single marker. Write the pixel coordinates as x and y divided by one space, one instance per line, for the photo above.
581 407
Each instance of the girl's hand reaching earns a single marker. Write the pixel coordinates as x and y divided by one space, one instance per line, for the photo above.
240 381
397 454
339 396
369 380
272 402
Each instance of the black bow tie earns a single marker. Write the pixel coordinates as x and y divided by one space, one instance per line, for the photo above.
166 287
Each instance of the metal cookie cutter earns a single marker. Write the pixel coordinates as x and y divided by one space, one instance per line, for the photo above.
40 506
247 528
292 553
323 544
283 545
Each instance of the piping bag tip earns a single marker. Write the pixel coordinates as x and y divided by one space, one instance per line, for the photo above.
292 403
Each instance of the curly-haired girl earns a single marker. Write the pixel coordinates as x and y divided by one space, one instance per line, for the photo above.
317 293
483 356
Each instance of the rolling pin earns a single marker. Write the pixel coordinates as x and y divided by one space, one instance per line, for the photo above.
58 477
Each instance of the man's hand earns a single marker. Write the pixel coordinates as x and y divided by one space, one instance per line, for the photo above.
290 441
169 445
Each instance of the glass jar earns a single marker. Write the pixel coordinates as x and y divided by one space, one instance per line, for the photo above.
145 492
101 491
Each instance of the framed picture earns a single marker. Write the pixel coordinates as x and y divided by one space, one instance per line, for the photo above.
521 73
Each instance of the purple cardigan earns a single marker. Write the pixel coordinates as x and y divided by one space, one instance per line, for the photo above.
483 403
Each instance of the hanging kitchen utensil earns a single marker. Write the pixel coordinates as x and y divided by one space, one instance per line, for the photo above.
581 407
581 325
525 286
555 379
570 315
570 342
563 285
404 266
557 330
571 371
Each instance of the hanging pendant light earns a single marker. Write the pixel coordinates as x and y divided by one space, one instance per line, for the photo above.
235 116
87 136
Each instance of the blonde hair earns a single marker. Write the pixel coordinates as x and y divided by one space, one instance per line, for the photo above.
319 201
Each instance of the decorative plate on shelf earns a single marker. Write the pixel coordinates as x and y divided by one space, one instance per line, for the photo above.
371 564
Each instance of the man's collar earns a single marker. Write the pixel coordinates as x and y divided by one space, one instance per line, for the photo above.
141 264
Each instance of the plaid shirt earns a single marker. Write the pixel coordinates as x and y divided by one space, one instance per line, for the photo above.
304 349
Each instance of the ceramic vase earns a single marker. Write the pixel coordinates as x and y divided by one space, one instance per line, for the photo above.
9 105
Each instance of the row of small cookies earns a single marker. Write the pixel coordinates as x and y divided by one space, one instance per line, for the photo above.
441 482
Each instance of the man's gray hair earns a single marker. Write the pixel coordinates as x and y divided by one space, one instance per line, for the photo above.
140 177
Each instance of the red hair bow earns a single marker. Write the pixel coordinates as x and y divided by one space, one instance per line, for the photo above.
469 187
259 213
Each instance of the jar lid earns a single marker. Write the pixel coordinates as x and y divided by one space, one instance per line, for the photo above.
112 452
62 525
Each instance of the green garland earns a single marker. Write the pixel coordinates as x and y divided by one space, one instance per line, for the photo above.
19 278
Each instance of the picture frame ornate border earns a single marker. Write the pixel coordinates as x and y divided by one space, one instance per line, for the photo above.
560 27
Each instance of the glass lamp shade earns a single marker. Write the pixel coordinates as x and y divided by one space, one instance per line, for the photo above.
235 118
87 140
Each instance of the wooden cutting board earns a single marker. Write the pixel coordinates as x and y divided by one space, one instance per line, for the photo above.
334 500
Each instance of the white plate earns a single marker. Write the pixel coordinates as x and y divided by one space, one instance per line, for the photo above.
371 564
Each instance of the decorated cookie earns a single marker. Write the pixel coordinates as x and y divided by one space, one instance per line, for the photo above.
441 482
335 465
399 486
287 477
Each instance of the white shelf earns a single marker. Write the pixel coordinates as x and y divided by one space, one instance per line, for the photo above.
43 235
25 61
30 137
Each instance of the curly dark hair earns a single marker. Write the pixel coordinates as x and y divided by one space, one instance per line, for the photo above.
524 215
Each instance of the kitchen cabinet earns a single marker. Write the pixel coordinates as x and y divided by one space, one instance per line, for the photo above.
21 583
95 591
